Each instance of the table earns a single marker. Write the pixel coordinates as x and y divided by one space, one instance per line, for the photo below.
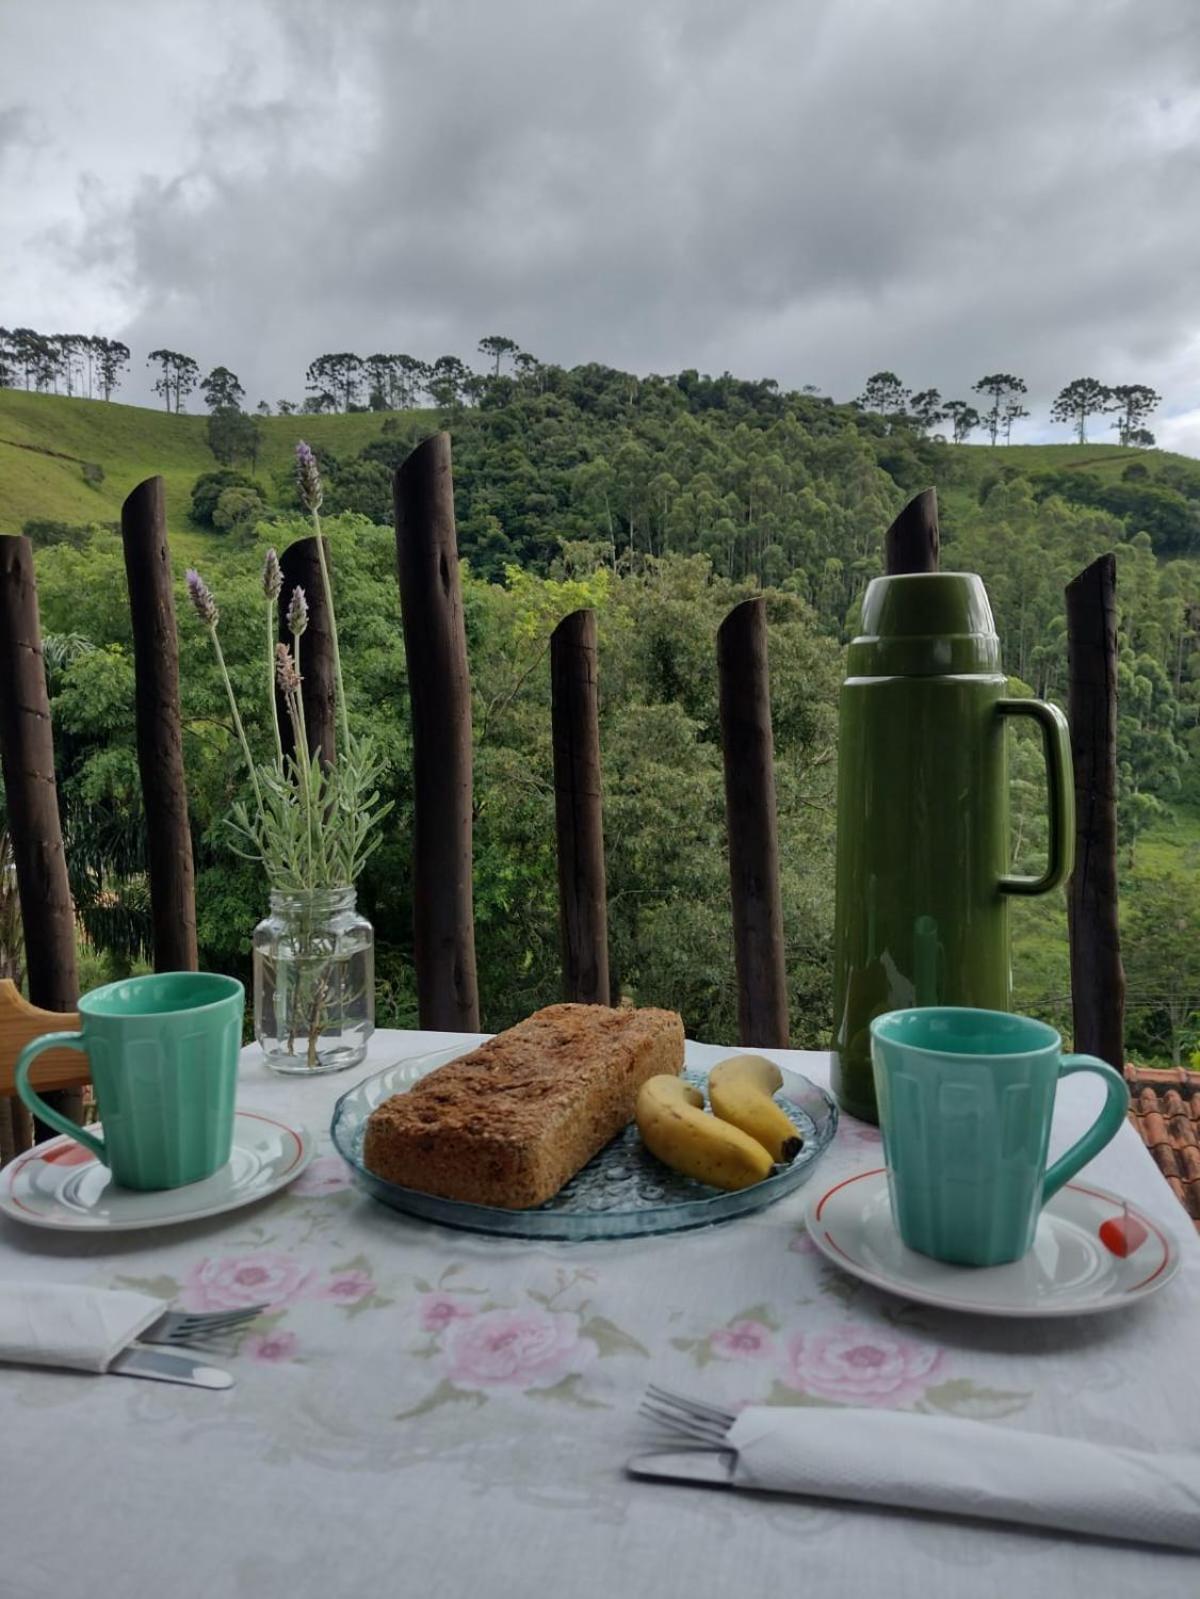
427 1412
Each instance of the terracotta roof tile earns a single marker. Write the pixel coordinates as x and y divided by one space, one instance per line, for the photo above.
1165 1108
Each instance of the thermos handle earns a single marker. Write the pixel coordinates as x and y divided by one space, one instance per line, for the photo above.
1060 786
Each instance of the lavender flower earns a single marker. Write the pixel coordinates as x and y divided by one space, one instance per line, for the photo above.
201 597
297 616
308 478
286 674
272 578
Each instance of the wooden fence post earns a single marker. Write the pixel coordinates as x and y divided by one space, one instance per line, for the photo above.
31 798
749 753
160 728
439 685
1097 976
913 543
582 896
301 567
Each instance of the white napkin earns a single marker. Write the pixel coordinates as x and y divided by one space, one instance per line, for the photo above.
43 1324
970 1468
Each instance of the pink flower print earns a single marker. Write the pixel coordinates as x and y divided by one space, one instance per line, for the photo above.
270 1346
238 1280
515 1349
325 1176
439 1310
348 1287
742 1340
858 1366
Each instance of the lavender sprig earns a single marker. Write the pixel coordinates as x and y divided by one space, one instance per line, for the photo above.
201 597
272 577
286 674
297 615
308 478
272 582
205 605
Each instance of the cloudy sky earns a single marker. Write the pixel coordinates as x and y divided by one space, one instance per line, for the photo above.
805 189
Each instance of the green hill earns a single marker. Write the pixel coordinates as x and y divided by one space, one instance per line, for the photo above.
48 441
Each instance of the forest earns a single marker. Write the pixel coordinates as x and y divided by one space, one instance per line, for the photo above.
661 501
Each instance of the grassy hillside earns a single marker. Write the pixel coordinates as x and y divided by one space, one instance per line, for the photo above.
46 439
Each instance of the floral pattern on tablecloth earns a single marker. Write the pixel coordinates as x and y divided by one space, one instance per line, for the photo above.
473 1337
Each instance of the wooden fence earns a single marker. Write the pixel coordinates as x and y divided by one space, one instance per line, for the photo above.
440 693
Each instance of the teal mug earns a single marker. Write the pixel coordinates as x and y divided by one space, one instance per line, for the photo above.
163 1052
966 1099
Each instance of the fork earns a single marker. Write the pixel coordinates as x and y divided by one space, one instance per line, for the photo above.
199 1329
701 1424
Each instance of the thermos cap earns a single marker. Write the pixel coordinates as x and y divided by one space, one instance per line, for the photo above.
925 624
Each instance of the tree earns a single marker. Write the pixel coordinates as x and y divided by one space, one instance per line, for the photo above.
963 419
1141 439
884 394
1082 397
8 365
179 375
1014 411
263 408
231 433
112 357
926 407
208 489
1132 403
1161 953
338 376
411 377
237 508
1002 388
447 380
380 381
286 407
68 348
496 347
221 390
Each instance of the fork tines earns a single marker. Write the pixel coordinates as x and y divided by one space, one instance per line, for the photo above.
198 1329
689 1418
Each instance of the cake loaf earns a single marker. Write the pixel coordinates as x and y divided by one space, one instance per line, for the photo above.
510 1122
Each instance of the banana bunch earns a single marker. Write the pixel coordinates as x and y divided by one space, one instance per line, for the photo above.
736 1146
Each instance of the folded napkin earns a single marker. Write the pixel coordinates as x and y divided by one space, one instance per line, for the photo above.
44 1324
970 1468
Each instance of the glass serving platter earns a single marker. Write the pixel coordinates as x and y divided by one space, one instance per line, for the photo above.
623 1192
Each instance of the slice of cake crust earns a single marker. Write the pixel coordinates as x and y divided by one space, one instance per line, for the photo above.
509 1123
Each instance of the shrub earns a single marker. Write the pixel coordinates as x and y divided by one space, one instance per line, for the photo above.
93 474
208 489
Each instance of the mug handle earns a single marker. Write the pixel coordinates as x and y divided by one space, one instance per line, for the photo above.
38 1105
1060 790
1102 1131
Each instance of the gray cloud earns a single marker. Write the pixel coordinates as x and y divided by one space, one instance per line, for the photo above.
808 191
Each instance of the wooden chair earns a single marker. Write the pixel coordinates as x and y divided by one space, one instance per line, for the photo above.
20 1024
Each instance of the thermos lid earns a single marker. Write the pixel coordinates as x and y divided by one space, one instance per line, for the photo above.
925 624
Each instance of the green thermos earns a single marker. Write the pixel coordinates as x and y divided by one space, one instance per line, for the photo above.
922 824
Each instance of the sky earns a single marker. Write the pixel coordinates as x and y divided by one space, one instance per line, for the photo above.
810 190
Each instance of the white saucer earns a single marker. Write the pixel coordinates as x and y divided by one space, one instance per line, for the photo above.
61 1185
1070 1271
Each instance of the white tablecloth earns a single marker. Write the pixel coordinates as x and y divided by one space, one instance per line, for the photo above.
427 1412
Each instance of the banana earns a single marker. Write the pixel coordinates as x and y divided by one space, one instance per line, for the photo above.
674 1126
740 1091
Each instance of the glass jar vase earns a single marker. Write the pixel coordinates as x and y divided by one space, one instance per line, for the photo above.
314 982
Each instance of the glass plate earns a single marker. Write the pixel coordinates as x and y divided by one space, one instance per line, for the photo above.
623 1192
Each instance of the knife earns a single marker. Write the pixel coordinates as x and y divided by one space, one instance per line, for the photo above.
169 1365
705 1468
